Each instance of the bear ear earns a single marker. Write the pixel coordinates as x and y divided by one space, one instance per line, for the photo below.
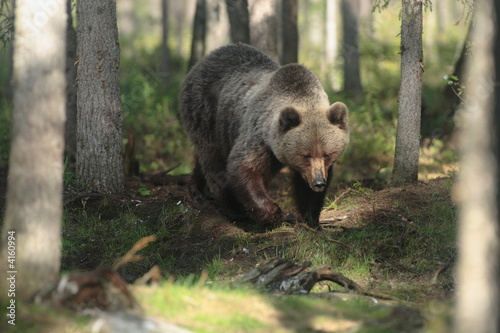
338 115
289 118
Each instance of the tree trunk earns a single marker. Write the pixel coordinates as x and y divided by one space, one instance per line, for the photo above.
478 189
451 101
99 136
239 20
217 30
350 27
290 32
164 67
180 16
410 95
331 40
263 27
198 47
70 127
31 234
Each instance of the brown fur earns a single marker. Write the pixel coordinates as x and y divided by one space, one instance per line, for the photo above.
248 118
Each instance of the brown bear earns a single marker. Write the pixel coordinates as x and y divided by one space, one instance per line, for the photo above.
247 118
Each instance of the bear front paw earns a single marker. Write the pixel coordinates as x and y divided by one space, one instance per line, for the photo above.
271 215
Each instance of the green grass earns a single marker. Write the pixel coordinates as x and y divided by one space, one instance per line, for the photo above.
221 309
104 232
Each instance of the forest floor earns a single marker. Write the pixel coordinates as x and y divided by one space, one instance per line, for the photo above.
396 241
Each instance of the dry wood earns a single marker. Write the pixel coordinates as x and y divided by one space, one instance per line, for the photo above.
131 254
282 276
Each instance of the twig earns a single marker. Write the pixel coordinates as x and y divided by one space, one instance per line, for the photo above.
154 275
341 195
333 219
131 254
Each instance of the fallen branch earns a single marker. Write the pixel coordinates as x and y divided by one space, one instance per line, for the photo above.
341 195
131 254
280 275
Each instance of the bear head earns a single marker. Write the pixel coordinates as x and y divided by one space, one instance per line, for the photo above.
309 137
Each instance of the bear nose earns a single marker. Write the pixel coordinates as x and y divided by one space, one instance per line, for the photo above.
319 183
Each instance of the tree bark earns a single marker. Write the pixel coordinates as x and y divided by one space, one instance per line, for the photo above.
239 20
478 269
350 28
410 95
34 196
70 127
198 47
99 136
263 27
290 32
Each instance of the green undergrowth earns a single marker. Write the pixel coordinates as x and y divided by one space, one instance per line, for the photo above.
397 241
390 240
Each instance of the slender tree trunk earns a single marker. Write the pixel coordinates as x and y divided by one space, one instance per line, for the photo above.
31 232
165 68
263 27
478 271
331 40
198 47
239 20
70 127
290 32
99 136
217 29
410 95
350 27
179 17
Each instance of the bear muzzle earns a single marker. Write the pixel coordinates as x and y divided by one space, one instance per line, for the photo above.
319 183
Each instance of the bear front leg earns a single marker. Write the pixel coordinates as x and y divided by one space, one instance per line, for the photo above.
198 183
250 187
309 203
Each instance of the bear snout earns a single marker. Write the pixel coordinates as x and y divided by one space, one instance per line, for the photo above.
319 183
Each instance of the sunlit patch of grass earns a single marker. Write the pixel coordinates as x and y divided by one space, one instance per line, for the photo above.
202 308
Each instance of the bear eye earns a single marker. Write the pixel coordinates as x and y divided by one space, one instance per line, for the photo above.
307 157
326 156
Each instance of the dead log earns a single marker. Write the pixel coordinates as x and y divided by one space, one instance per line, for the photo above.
282 276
